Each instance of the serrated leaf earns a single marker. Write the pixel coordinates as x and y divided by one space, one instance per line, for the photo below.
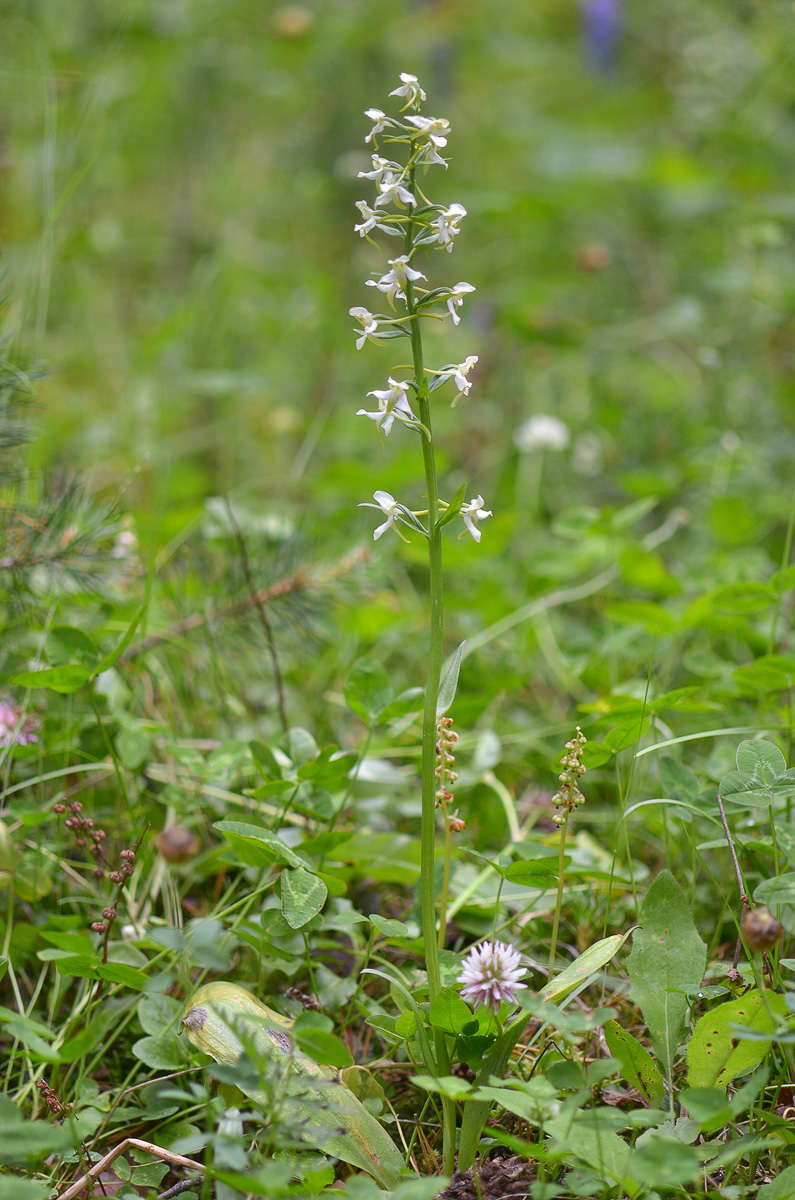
718 1052
668 958
450 683
303 896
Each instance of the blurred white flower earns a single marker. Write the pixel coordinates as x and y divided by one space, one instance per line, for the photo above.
472 513
388 505
369 326
371 218
393 284
392 403
456 299
392 191
491 974
434 128
447 224
541 432
378 118
586 457
411 89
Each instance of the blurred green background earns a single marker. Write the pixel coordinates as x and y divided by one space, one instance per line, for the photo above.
177 211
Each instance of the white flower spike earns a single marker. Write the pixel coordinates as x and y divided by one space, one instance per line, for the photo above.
456 299
379 122
392 191
491 975
411 89
389 506
459 372
392 403
393 284
369 326
434 128
447 224
472 513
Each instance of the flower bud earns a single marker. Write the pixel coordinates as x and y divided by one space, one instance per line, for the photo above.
761 930
109 914
178 844
99 927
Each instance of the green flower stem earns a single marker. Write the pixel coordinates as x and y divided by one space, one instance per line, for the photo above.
553 945
435 646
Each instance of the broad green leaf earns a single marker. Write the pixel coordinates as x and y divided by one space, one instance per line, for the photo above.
450 683
444 1085
739 789
539 872
763 761
591 960
58 679
449 1012
781 1188
718 1052
739 599
678 781
368 690
640 1069
600 1148
256 846
409 701
303 896
122 973
667 954
627 734
389 927
324 1047
663 1161
162 1052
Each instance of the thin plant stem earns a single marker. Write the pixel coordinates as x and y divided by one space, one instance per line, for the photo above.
744 901
553 945
435 648
448 845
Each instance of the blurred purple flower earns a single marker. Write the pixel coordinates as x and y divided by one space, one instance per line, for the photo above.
602 22
11 731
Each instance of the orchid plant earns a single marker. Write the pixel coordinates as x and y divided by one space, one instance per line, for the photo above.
402 210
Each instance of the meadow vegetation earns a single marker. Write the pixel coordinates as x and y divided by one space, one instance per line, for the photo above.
301 891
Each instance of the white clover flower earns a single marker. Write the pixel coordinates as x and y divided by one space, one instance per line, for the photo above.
456 299
541 432
369 326
472 513
393 284
459 372
447 224
388 505
411 89
370 218
491 974
379 122
381 167
392 191
434 128
392 403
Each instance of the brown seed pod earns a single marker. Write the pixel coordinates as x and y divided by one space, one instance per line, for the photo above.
761 930
178 844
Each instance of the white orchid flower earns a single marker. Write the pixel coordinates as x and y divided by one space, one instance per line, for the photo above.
389 506
370 218
411 89
472 513
459 373
369 326
447 224
393 284
379 122
381 167
456 299
392 191
434 128
392 403
429 155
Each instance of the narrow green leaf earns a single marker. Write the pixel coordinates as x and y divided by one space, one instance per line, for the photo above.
113 657
591 960
640 1069
454 508
450 683
65 680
